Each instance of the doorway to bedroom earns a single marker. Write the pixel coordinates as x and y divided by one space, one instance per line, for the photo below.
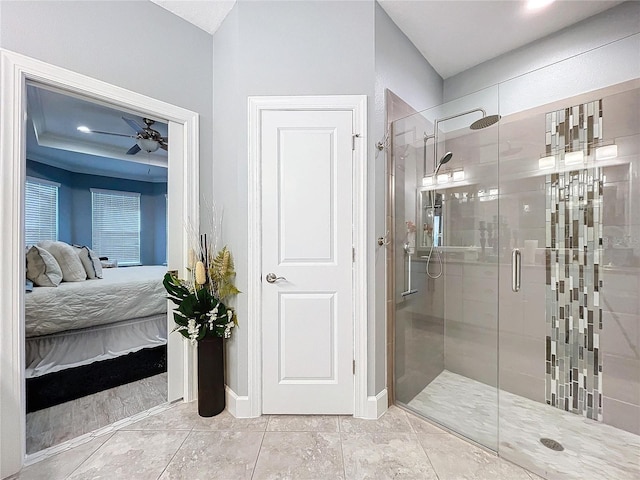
96 241
182 206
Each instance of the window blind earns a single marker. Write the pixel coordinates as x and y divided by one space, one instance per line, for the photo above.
40 210
116 225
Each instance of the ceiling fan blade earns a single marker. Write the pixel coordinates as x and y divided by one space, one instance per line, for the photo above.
133 150
111 133
135 125
164 146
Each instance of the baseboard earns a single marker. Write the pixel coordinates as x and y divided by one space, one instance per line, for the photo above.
377 405
238 406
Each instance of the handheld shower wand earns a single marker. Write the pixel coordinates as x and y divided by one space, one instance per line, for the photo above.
432 201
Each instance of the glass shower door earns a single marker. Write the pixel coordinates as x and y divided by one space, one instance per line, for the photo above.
569 369
446 255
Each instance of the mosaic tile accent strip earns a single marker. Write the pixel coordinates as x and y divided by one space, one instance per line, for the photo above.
573 129
574 280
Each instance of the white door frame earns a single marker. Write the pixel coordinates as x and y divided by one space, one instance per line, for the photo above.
358 105
183 154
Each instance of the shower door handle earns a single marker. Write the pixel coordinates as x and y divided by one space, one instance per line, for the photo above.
516 269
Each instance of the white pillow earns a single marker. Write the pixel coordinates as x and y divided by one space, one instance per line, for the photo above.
42 268
67 258
90 261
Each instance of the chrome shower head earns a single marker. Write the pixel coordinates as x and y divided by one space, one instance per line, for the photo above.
485 122
445 158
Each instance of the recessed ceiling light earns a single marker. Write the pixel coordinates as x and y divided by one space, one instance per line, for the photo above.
84 129
537 4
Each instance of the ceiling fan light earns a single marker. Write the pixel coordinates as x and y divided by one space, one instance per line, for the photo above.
148 145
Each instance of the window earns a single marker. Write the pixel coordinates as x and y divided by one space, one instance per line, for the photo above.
40 210
116 225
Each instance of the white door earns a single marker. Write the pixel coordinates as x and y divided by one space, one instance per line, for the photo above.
307 315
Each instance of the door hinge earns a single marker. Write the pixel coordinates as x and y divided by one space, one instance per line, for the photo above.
354 367
353 140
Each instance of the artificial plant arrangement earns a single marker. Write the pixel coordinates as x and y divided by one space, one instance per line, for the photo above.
201 299
201 309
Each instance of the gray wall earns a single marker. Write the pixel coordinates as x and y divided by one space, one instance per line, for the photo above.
132 44
255 55
278 48
401 68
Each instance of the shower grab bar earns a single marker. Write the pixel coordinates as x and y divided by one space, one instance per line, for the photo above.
409 291
516 269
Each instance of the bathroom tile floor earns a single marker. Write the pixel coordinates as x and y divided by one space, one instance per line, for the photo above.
54 425
176 443
592 450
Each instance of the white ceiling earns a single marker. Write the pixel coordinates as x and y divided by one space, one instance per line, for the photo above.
453 35
204 14
456 35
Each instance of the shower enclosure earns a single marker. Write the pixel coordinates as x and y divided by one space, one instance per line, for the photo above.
516 273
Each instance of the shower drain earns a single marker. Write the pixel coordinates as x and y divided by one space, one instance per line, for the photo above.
552 444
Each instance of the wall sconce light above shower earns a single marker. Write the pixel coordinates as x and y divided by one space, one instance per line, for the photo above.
573 158
606 152
547 162
443 178
427 181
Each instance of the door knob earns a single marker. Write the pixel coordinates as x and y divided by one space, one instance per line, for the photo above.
271 278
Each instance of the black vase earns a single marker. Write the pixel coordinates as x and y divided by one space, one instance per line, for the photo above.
211 394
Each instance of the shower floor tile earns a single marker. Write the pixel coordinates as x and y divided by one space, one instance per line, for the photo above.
592 450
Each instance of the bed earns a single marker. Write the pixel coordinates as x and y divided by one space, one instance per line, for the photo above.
78 326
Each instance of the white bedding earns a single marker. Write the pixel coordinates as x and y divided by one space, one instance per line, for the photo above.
52 353
123 294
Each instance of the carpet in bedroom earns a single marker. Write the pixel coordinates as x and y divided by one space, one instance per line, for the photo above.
59 387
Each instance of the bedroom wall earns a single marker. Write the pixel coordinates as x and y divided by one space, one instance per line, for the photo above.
74 203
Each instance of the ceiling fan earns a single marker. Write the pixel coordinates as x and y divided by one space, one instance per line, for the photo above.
147 138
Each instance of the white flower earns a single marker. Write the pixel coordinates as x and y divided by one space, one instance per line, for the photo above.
193 329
